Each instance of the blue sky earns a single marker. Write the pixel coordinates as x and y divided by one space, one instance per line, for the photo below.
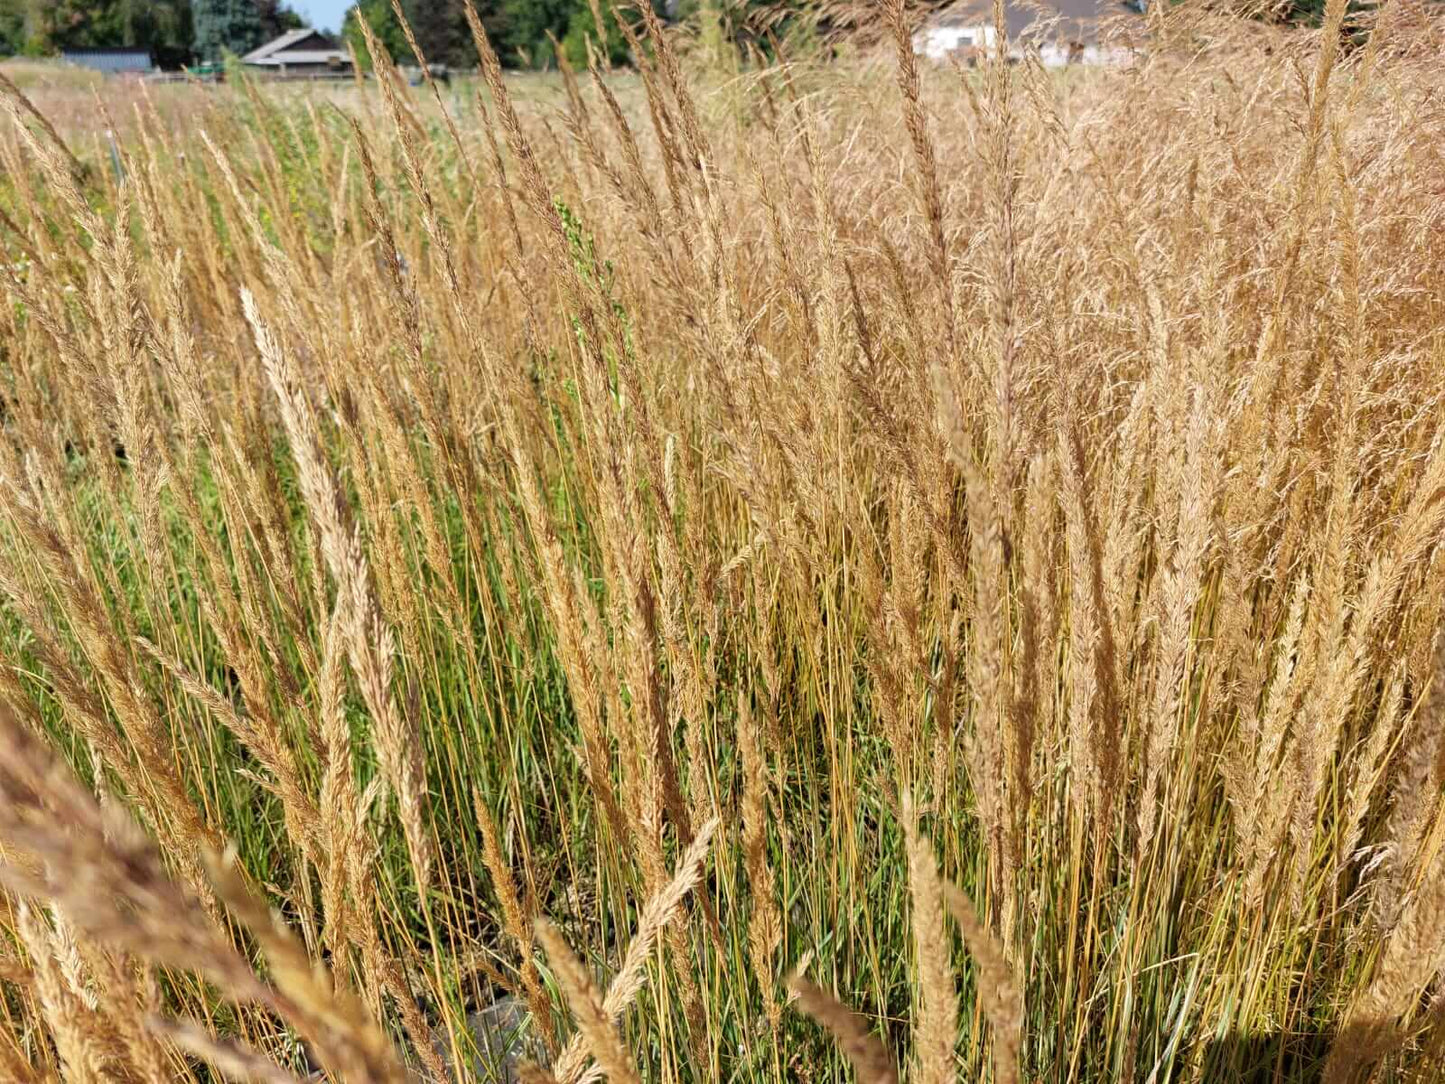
323 14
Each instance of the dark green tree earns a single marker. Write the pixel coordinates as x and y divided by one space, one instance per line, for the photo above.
226 26
582 28
276 18
518 28
45 26
14 27
441 30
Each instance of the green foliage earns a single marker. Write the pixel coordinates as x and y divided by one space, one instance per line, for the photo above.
12 27
46 26
276 18
583 27
441 29
384 25
519 30
226 26
173 30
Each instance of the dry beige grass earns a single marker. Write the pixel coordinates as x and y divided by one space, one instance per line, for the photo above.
742 521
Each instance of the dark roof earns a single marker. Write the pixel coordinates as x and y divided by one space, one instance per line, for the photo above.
116 59
306 42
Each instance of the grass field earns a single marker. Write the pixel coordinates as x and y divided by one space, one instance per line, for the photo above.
807 572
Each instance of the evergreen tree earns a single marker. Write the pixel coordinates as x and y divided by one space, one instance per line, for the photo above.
226 26
276 19
441 29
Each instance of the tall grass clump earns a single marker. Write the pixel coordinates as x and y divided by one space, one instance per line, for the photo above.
751 571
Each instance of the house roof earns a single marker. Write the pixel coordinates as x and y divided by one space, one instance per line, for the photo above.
318 49
113 59
1077 20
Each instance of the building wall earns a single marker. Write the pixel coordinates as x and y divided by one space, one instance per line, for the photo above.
941 42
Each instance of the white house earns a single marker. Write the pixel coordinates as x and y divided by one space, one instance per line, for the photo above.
1063 31
304 52
953 34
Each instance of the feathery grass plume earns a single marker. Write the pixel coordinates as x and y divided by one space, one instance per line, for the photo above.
664 126
650 212
765 927
594 1022
431 83
499 170
369 640
1004 280
1178 597
99 868
127 991
417 181
925 159
600 25
870 1058
230 1059
55 161
698 143
998 760
936 1027
1037 681
19 97
660 910
1367 769
344 1038
1263 385
532 1073
1414 954
998 989
518 923
534 186
1414 795
1253 765
84 1052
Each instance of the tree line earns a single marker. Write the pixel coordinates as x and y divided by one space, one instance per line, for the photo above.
526 33
175 31
184 31
522 31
